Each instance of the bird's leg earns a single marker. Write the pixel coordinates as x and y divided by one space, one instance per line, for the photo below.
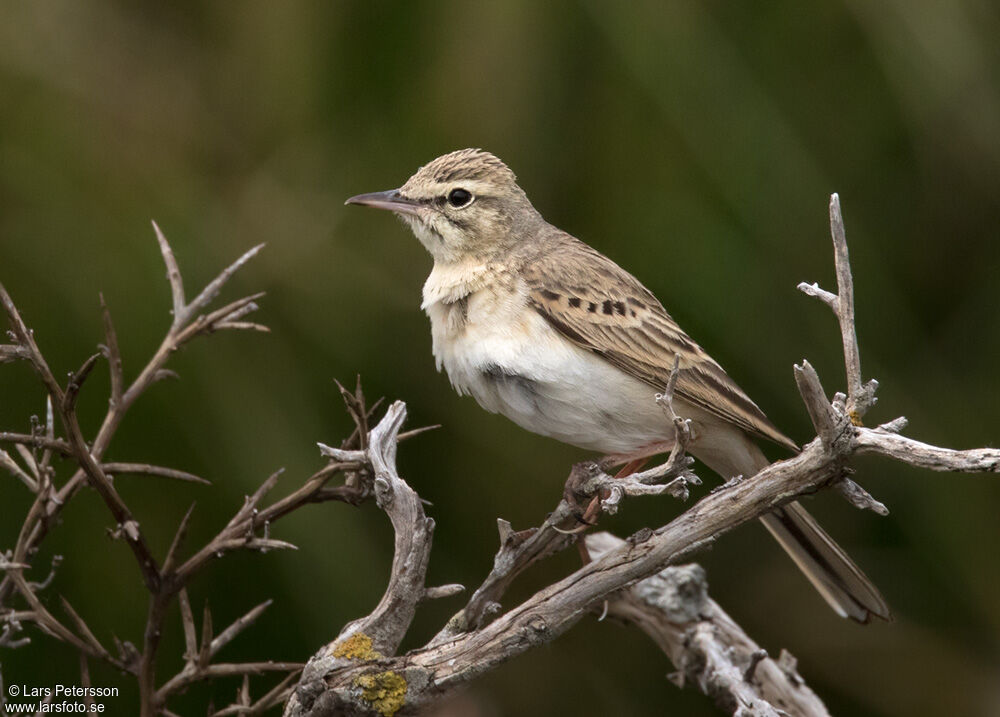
589 516
631 467
584 517
629 462
634 460
632 463
594 508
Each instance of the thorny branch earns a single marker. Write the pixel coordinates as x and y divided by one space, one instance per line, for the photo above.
248 529
708 649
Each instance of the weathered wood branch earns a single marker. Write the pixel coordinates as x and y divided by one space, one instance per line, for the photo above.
388 623
860 395
422 675
706 646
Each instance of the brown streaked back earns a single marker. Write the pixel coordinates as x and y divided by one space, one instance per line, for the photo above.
601 307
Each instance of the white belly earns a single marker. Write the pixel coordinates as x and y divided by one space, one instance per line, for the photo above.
514 363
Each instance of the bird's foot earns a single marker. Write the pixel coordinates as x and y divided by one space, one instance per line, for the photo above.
573 491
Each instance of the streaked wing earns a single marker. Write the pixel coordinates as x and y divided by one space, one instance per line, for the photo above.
603 308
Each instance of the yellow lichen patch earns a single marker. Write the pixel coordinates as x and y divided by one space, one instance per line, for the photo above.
357 647
385 691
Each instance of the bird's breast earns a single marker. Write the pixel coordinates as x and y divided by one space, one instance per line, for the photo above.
495 347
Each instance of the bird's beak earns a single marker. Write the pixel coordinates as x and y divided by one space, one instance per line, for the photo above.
391 200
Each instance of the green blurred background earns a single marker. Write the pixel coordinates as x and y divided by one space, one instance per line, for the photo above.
696 143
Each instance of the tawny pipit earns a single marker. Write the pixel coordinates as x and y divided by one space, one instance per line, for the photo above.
540 327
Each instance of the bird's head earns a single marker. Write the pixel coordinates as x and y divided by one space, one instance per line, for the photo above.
462 205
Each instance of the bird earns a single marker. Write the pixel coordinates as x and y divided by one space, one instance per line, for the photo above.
540 327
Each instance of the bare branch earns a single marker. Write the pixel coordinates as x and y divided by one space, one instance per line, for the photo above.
83 628
10 352
859 497
171 559
276 696
815 291
207 323
243 698
341 455
44 471
185 679
406 435
190 632
9 636
231 632
239 532
823 417
162 374
205 651
42 585
251 502
924 455
112 353
173 276
151 470
390 620
213 287
28 458
76 382
15 470
860 395
92 470
50 625
26 341
88 701
443 591
518 551
707 647
242 326
82 452
857 404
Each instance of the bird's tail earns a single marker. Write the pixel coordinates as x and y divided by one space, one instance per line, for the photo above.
831 571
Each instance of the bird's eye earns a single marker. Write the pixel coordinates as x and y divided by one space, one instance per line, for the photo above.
459 198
